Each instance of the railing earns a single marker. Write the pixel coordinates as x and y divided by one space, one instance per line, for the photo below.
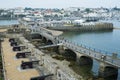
92 52
89 51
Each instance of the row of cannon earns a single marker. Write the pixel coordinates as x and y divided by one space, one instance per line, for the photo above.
25 54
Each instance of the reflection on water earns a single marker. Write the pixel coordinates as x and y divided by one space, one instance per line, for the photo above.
107 41
8 22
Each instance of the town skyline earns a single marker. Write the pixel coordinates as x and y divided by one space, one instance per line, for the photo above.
60 4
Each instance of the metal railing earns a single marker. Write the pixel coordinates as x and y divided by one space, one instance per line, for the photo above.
97 54
89 51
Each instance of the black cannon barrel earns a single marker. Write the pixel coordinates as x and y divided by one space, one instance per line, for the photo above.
29 64
31 61
14 44
22 54
18 48
41 77
12 40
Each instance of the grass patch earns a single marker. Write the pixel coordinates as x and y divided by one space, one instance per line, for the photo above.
1 78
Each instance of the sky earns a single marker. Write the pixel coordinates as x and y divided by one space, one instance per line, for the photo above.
59 3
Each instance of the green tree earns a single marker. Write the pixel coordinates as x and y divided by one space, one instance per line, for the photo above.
87 10
1 10
78 9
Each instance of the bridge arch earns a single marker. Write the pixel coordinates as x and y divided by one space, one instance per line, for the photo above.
85 60
44 39
49 42
70 55
36 36
109 73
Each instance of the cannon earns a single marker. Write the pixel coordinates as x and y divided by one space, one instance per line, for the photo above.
12 40
41 77
29 64
23 54
14 44
18 48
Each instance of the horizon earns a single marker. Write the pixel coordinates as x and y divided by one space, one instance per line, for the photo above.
60 4
58 8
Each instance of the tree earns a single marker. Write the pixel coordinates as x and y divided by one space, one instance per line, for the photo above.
1 10
56 15
78 9
66 15
28 8
87 10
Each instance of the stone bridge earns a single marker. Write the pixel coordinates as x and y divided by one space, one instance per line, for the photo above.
109 64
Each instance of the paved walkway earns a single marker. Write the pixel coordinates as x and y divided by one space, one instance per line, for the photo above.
3 30
12 65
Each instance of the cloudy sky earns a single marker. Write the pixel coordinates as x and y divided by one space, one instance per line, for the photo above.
58 3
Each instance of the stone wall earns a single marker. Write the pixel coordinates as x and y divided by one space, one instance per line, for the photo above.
48 62
96 27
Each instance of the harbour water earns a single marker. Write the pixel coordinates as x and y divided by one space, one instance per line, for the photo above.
108 41
8 22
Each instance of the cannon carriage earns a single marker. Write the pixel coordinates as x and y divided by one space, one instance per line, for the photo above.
19 48
42 77
23 54
14 44
29 64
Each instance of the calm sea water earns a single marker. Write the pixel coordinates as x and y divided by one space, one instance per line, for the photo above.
8 22
107 41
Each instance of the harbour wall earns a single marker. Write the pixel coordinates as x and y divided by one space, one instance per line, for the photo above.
83 28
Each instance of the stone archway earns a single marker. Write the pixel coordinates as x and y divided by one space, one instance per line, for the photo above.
85 60
109 73
70 55
49 42
36 36
44 40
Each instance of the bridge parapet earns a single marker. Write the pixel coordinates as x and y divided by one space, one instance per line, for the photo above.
91 52
108 59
